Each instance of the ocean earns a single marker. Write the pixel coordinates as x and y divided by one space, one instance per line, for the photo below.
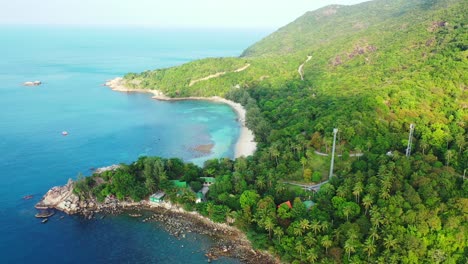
104 127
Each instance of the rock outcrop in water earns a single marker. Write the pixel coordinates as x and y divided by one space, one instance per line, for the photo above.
61 198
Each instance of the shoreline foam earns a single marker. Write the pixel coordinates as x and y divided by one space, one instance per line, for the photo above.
245 145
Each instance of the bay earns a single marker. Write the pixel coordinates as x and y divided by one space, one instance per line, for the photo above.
104 127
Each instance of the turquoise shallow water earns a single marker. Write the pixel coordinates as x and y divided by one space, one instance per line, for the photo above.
105 127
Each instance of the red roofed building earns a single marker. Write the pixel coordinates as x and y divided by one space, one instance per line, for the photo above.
288 203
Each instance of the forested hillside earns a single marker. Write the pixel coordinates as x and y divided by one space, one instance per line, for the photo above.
374 69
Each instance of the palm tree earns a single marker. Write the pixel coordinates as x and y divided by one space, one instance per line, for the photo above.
424 145
274 152
312 255
189 196
310 239
367 202
374 234
350 247
352 234
326 243
304 224
372 189
297 231
368 145
448 155
357 190
375 218
269 225
341 191
390 242
315 225
231 216
299 248
369 248
324 226
460 142
270 179
346 211
386 181
280 188
298 148
278 231
327 189
337 234
358 149
303 163
260 182
384 194
210 209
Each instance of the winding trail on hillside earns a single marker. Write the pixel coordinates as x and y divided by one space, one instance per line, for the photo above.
351 154
218 74
300 70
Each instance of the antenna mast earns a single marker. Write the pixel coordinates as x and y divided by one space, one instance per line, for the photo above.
335 131
410 141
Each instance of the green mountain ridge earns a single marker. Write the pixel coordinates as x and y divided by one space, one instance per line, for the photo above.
374 69
396 60
330 23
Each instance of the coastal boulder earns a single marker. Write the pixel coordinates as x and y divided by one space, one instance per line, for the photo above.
61 198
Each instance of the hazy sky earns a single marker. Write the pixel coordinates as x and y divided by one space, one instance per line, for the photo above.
167 13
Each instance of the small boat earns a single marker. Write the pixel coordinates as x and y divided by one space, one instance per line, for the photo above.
44 220
34 83
64 133
27 197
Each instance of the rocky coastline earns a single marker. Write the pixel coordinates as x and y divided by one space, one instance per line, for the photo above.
229 241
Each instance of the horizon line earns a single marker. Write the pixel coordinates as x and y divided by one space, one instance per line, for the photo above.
143 26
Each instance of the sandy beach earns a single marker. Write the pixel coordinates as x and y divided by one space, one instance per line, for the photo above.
245 145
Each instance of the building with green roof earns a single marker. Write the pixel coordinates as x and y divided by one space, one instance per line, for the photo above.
207 181
179 184
157 197
308 204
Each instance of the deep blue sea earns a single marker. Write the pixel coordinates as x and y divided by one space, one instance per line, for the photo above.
105 128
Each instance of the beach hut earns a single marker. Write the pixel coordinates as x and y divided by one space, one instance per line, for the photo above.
157 197
288 203
308 204
179 184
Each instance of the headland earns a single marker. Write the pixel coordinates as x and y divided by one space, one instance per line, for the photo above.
229 241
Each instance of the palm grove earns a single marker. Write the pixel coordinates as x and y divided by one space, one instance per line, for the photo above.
376 68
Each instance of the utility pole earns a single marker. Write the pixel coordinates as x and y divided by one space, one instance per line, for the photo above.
335 131
410 141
